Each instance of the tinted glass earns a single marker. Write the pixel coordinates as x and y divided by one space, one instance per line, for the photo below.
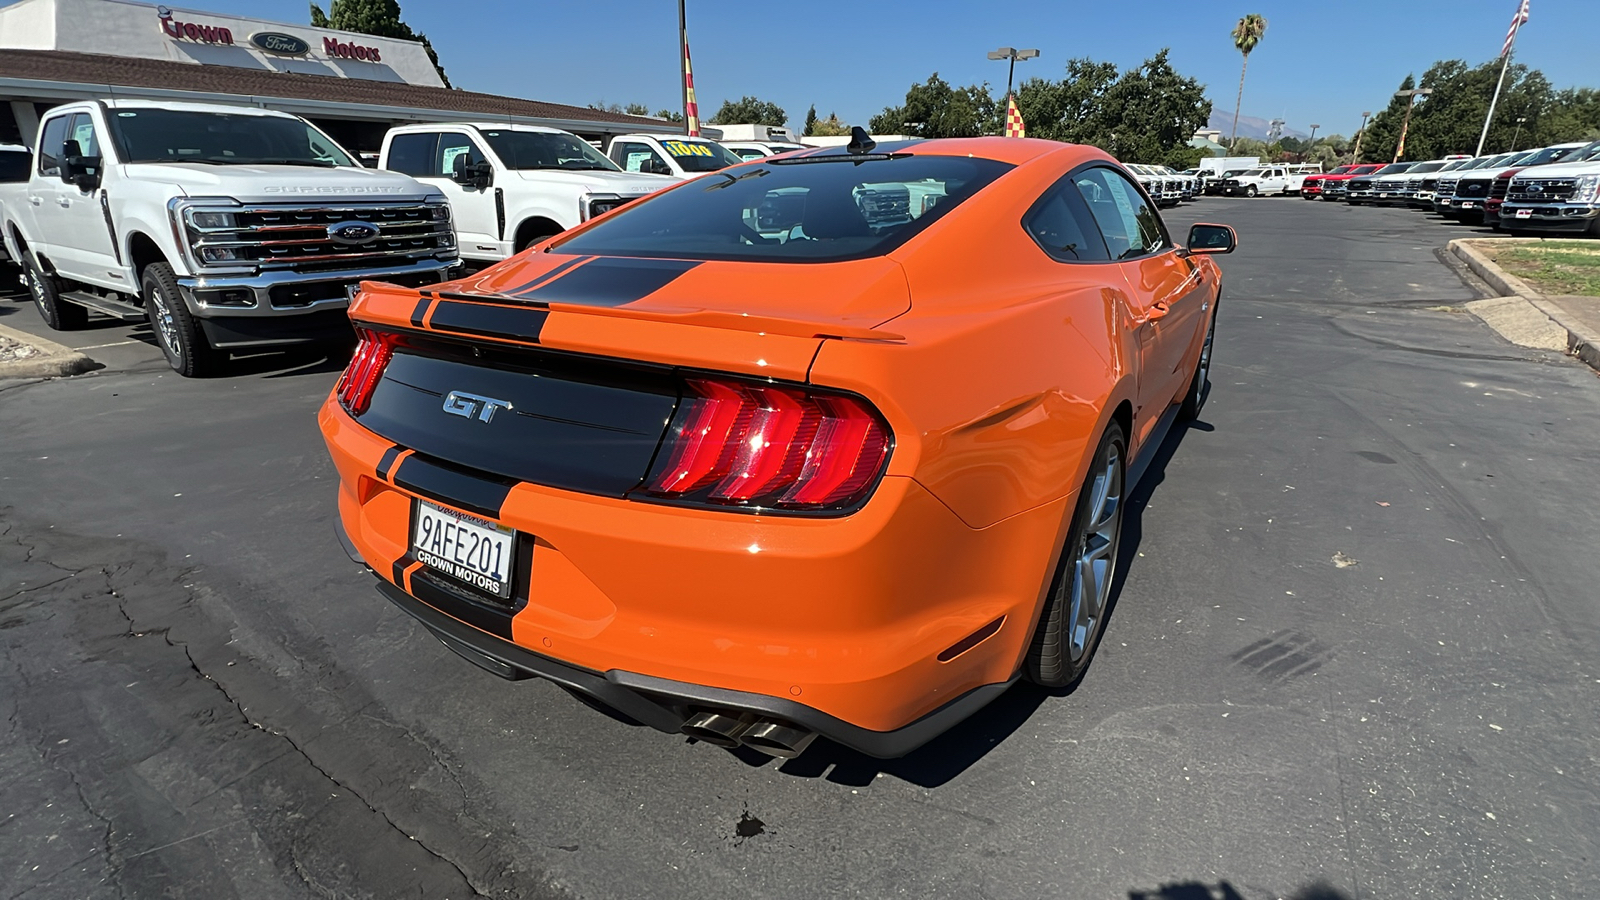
81 129
148 135
699 156
793 211
638 158
1583 154
1425 167
749 153
55 131
412 154
1548 154
545 150
452 145
1129 224
1063 228
13 166
1394 168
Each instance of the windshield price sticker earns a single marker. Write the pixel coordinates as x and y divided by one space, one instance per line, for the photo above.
471 550
684 148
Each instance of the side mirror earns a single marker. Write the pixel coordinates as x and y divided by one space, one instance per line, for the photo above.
466 174
657 167
77 169
1204 238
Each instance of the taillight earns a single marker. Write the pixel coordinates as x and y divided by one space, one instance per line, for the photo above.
365 369
748 445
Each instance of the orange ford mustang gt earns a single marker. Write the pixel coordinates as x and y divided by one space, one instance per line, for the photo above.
829 443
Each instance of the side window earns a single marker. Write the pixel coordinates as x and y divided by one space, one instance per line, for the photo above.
451 145
55 132
637 158
1062 226
81 129
1130 225
412 154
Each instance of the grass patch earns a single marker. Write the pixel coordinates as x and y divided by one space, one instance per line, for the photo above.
1552 267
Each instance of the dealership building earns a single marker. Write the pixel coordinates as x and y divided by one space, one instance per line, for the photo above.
353 86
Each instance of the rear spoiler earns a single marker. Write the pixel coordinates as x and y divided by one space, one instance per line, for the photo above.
393 304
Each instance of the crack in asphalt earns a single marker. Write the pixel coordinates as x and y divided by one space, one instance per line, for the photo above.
294 746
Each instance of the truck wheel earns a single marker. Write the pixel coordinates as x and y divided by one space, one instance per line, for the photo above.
1250 190
177 333
59 314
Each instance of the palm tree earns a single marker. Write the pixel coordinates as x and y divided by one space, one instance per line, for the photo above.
1246 35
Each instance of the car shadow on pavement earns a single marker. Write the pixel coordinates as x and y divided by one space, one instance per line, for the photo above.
948 755
1222 890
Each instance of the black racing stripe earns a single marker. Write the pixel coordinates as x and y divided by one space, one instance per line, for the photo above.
523 324
388 459
612 281
400 566
463 489
420 311
455 604
547 277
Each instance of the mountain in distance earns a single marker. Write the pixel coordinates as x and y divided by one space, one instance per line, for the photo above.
1249 126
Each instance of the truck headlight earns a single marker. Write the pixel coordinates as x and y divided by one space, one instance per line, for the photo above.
205 218
1587 189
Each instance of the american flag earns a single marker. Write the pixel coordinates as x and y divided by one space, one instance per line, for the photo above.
1517 21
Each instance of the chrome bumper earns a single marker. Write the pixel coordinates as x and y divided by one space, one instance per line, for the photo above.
1561 216
200 293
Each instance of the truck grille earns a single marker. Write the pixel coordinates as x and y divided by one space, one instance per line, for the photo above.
1501 184
1446 186
1472 187
1361 184
1541 190
307 238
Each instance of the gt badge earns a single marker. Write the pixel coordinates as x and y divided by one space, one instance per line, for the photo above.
472 406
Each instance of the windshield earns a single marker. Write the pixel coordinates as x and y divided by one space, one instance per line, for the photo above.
1583 154
802 210
546 150
1425 167
1393 168
171 135
1252 173
1548 154
699 156
1341 170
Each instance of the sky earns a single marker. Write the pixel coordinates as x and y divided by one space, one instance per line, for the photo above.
1320 63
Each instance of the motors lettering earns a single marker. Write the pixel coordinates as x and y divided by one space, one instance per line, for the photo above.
342 50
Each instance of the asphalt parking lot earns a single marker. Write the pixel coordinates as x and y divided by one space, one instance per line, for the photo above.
1353 654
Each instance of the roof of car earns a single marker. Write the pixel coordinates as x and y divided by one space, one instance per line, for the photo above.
481 126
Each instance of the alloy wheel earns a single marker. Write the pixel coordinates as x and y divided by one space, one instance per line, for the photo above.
166 328
1096 556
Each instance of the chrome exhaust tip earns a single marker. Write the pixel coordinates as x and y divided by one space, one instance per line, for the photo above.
777 739
716 728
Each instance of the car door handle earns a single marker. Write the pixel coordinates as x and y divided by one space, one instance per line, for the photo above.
63 202
36 201
1154 313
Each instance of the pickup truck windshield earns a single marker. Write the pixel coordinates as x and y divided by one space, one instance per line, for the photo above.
546 150
818 211
1548 154
1426 167
1393 168
152 135
699 156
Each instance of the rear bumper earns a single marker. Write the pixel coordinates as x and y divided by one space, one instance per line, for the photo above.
844 626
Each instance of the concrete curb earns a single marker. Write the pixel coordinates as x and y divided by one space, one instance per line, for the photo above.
1582 341
53 361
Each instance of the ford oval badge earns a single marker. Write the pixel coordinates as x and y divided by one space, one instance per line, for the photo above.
352 234
275 42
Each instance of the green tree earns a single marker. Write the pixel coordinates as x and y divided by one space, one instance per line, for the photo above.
632 109
748 111
934 109
1246 35
1068 110
1146 114
829 127
811 121
1383 132
375 17
671 115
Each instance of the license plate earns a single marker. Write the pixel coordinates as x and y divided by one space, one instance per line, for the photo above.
474 551
1468 204
1524 213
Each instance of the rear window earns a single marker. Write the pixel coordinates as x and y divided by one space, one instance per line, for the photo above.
806 210
13 166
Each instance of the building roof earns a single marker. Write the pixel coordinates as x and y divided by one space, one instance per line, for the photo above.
161 75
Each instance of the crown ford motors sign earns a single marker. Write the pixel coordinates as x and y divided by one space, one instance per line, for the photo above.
279 43
204 34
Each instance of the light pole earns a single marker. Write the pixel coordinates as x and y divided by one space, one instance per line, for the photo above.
1310 141
1517 133
1013 55
1355 155
1411 102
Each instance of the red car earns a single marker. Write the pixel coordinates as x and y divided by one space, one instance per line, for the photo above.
1332 185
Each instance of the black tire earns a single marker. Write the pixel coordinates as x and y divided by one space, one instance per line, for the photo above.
1250 190
1200 383
176 331
59 314
1354 202
1096 532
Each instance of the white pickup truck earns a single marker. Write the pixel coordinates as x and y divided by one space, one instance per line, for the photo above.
684 157
15 160
510 186
1283 179
224 226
